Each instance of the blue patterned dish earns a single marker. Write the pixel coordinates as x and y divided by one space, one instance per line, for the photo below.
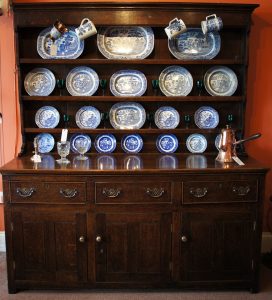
206 117
132 143
82 81
167 143
46 142
193 44
128 83
47 117
105 143
196 143
166 117
69 46
88 117
76 141
39 82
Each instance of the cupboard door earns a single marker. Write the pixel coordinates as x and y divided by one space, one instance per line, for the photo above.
50 246
216 246
133 247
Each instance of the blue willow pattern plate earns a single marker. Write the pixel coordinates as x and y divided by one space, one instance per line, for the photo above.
47 117
166 117
128 83
82 81
193 44
196 143
46 142
39 82
105 143
77 140
167 143
132 143
88 117
69 46
206 117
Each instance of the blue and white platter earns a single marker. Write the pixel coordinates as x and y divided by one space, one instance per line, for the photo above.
128 83
166 117
196 143
76 141
193 44
206 117
127 115
125 42
39 82
47 117
167 143
46 142
132 143
105 143
88 117
68 46
82 81
175 81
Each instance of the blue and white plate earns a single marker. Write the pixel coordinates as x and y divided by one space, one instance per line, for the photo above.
175 81
167 143
196 143
82 81
39 82
47 117
88 117
132 143
105 143
206 117
217 141
166 117
46 142
68 46
128 83
77 140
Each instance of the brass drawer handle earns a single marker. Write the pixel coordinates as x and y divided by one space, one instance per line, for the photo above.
25 192
68 193
111 193
82 239
241 190
198 192
155 192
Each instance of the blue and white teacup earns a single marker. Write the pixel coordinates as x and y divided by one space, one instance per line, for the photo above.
212 23
86 29
176 27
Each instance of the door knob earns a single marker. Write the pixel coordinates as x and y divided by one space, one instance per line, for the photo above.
81 239
184 238
98 239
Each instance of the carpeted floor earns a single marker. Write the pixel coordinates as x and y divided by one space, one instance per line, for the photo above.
264 294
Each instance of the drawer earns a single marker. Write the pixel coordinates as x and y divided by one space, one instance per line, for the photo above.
47 192
221 191
133 192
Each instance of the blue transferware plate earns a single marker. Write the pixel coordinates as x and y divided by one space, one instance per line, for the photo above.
105 143
128 115
132 143
69 46
125 42
47 117
46 142
166 117
175 81
196 143
106 162
88 117
39 82
193 44
77 140
167 143
206 117
82 81
128 83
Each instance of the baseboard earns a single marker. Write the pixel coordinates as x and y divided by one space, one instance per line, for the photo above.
2 241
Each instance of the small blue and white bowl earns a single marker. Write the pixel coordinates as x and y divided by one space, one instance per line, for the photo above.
105 143
132 143
167 143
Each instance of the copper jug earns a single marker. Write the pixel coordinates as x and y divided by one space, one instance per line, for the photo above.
227 144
